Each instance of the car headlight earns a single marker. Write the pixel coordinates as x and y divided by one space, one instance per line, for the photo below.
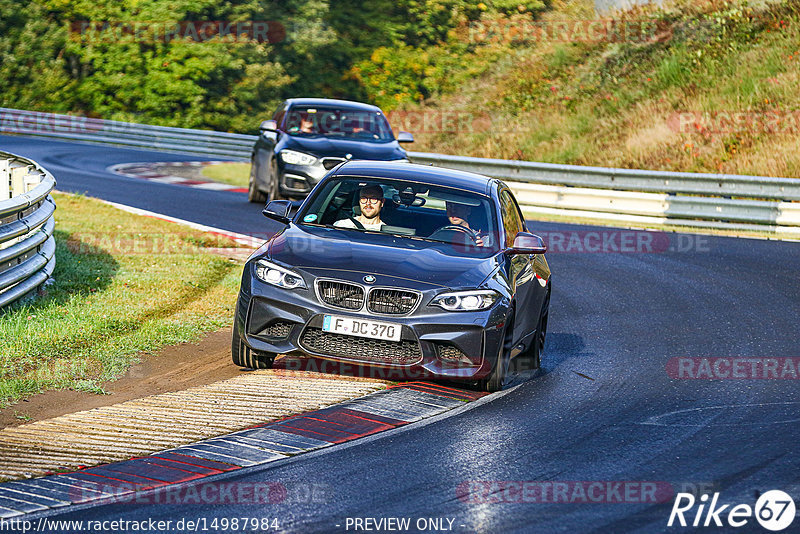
278 276
297 158
474 300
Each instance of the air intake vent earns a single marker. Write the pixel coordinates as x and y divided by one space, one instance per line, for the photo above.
362 349
278 330
330 163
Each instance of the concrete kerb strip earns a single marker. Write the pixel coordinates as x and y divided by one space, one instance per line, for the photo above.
256 445
104 434
147 171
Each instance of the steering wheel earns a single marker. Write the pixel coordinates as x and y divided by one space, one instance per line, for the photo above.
455 228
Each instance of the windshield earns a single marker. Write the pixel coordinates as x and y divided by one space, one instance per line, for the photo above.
405 209
306 121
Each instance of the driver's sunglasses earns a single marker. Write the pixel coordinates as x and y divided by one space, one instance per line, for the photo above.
369 200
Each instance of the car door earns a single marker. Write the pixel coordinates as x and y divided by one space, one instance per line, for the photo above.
521 270
264 149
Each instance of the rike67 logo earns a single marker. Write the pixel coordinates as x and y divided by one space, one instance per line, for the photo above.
774 510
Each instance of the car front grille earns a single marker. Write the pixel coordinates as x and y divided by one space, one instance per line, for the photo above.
362 349
341 294
392 301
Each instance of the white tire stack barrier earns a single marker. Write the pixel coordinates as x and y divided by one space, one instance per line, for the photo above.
27 245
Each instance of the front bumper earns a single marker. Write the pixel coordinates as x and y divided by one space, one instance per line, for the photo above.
434 343
299 179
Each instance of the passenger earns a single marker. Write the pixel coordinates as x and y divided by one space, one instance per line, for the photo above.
370 200
458 215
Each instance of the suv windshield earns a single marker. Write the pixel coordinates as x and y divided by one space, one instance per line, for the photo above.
406 209
303 121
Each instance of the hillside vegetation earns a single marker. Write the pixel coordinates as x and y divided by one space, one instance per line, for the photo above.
224 64
716 89
699 85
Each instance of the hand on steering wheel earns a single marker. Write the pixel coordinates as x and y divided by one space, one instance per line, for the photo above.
456 228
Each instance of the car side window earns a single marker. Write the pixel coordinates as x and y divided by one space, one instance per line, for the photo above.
279 114
512 220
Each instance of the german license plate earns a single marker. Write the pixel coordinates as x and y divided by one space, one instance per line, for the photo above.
350 326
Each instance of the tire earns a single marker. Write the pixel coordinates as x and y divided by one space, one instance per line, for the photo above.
497 379
244 356
254 194
537 347
531 359
274 186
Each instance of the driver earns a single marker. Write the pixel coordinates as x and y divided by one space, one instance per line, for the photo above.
306 125
458 215
370 200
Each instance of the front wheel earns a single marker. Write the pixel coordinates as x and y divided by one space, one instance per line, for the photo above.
254 194
274 182
497 379
532 357
541 334
244 356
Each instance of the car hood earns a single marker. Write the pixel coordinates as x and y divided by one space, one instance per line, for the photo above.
393 260
333 147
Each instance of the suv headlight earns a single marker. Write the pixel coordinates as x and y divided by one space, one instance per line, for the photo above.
297 158
473 300
276 275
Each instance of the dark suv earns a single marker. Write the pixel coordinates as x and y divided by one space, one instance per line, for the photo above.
307 137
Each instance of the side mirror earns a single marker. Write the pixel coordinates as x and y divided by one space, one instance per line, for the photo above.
269 126
526 243
278 210
405 137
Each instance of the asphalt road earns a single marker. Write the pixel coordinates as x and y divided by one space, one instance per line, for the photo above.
605 409
81 168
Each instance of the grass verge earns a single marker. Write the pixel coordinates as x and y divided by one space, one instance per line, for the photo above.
124 285
237 174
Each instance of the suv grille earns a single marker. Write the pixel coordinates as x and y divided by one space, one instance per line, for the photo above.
359 348
341 294
392 301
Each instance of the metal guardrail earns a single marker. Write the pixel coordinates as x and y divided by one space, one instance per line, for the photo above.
27 245
74 128
633 196
683 199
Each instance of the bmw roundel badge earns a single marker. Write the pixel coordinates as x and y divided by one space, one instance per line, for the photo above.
369 279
